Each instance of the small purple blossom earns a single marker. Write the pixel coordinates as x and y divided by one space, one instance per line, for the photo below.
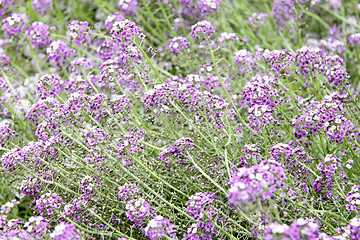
178 44
260 17
41 6
128 7
257 182
14 24
228 37
77 30
65 231
6 208
39 34
58 52
202 29
159 227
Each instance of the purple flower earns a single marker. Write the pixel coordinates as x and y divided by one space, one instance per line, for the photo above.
48 201
6 208
258 182
111 19
127 191
245 61
65 231
77 30
159 227
124 31
354 229
39 34
37 226
48 85
58 52
202 29
284 11
330 171
3 221
354 39
353 199
197 9
228 37
178 44
201 207
322 117
179 151
299 229
6 134
41 5
5 62
14 24
137 210
258 17
128 7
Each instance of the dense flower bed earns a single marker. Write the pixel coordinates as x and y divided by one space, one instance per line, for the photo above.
179 119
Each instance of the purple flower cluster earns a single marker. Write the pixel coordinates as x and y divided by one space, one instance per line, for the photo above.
65 231
353 199
178 44
14 24
48 85
257 182
3 220
299 229
46 204
137 210
260 17
260 116
41 6
37 227
127 191
58 52
294 157
111 19
354 229
6 134
309 63
191 99
95 136
4 7
325 117
77 30
159 227
128 7
259 91
200 207
39 34
12 158
42 108
89 184
199 8
202 29
30 186
179 151
131 144
354 39
5 62
245 61
122 31
78 63
284 11
228 37
6 208
330 171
